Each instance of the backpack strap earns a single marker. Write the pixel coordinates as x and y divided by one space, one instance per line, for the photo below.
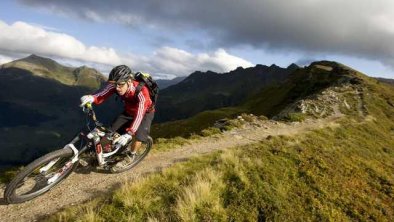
139 88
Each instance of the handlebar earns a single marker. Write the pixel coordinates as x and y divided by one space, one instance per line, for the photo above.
88 109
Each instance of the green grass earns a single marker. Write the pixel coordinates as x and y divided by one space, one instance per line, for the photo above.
333 174
272 99
7 175
194 125
164 144
295 117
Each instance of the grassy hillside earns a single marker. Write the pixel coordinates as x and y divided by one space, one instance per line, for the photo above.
340 173
310 91
48 68
303 84
195 124
202 91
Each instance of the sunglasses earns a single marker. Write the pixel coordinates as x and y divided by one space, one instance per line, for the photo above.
120 84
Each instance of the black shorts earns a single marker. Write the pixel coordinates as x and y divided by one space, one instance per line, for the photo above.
123 121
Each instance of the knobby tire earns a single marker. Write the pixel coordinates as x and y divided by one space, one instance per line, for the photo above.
139 158
19 180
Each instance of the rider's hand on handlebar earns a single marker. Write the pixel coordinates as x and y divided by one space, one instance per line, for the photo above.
86 99
123 139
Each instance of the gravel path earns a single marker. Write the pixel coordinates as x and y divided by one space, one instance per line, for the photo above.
83 185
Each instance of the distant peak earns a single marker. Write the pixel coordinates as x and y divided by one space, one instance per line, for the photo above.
33 58
293 66
38 62
325 63
274 66
260 66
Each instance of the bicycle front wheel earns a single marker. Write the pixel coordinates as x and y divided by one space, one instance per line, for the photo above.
40 176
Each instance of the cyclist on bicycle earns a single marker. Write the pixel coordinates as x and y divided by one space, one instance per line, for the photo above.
136 119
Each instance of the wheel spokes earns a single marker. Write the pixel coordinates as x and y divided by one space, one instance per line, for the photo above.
43 176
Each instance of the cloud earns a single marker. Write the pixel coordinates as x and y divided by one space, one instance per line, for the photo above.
21 37
24 38
5 59
359 28
175 60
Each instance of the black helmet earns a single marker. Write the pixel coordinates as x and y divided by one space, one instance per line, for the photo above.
120 73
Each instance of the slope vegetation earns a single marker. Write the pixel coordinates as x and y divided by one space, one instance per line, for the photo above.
50 69
202 91
314 91
335 165
341 172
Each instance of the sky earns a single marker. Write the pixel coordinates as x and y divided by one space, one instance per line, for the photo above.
177 37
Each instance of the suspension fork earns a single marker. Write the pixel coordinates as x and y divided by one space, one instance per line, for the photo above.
71 146
99 150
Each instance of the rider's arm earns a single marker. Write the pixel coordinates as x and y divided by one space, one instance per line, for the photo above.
143 104
103 94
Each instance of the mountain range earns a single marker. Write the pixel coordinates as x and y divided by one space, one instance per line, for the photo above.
389 81
202 91
164 83
288 99
39 100
265 143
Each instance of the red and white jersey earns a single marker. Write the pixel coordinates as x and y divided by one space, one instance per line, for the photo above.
135 106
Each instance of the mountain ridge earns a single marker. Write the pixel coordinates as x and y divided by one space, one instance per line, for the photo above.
48 68
302 94
194 103
325 154
164 83
320 168
209 90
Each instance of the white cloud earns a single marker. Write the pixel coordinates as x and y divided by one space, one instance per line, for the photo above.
21 37
357 28
180 62
24 38
224 61
5 59
383 22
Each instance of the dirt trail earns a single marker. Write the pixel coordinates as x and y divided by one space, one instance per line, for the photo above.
82 186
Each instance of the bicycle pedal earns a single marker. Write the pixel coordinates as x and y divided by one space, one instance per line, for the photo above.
103 167
83 162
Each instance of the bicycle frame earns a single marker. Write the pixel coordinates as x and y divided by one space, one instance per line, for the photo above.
89 140
50 169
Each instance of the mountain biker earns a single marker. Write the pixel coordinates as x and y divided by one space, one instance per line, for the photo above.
138 113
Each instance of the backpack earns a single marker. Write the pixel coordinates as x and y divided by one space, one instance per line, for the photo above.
145 79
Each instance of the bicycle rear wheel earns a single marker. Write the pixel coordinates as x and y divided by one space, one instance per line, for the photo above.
40 176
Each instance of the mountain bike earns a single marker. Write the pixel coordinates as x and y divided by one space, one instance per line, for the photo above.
94 142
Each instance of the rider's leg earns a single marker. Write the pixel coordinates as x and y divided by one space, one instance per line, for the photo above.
140 136
119 124
142 132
